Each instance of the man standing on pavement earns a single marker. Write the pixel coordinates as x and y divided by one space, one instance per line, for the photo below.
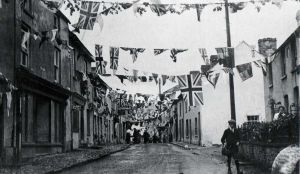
230 141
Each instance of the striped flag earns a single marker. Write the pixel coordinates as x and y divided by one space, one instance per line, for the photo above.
191 88
114 57
88 15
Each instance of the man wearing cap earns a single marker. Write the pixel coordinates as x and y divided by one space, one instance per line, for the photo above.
231 140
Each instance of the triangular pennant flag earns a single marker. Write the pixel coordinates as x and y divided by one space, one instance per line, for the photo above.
51 5
98 52
228 70
226 56
199 9
245 71
88 15
164 79
114 58
213 78
204 55
158 8
174 53
54 32
159 51
234 7
155 76
191 88
134 52
25 40
172 79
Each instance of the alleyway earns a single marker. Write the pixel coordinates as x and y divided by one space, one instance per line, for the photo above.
154 158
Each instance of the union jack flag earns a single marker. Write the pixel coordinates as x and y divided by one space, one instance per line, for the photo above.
114 57
88 15
98 52
191 88
101 67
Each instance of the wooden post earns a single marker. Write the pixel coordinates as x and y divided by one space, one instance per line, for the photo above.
231 82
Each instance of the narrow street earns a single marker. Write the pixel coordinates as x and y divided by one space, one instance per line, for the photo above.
153 158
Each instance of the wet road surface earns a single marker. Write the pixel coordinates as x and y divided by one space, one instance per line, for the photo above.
153 159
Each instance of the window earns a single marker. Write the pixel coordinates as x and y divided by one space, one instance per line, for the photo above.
56 22
186 106
196 126
57 122
187 127
57 65
270 74
179 109
296 98
293 53
286 103
283 61
27 5
252 118
25 45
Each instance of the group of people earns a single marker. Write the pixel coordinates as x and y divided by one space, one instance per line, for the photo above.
137 136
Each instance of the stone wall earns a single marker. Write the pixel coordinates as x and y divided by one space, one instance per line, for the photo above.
260 154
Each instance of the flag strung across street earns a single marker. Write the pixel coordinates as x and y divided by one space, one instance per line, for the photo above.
98 52
134 52
226 56
159 51
191 88
245 71
114 57
88 15
174 53
51 5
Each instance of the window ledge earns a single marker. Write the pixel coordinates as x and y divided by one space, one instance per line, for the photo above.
284 77
270 85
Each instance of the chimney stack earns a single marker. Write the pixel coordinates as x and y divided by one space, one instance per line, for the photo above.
267 46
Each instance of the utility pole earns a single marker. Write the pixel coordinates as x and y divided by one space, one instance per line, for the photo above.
231 82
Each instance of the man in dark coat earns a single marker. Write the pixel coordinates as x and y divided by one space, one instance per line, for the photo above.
231 140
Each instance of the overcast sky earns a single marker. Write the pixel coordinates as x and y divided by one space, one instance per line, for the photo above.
184 31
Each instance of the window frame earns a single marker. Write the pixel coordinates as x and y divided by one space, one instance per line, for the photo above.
283 57
57 65
252 118
25 52
196 126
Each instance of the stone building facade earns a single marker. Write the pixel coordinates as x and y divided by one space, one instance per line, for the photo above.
282 80
36 61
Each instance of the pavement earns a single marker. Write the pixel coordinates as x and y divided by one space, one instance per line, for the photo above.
161 159
214 153
54 163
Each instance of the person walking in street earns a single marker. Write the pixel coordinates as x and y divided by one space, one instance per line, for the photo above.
230 141
128 135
